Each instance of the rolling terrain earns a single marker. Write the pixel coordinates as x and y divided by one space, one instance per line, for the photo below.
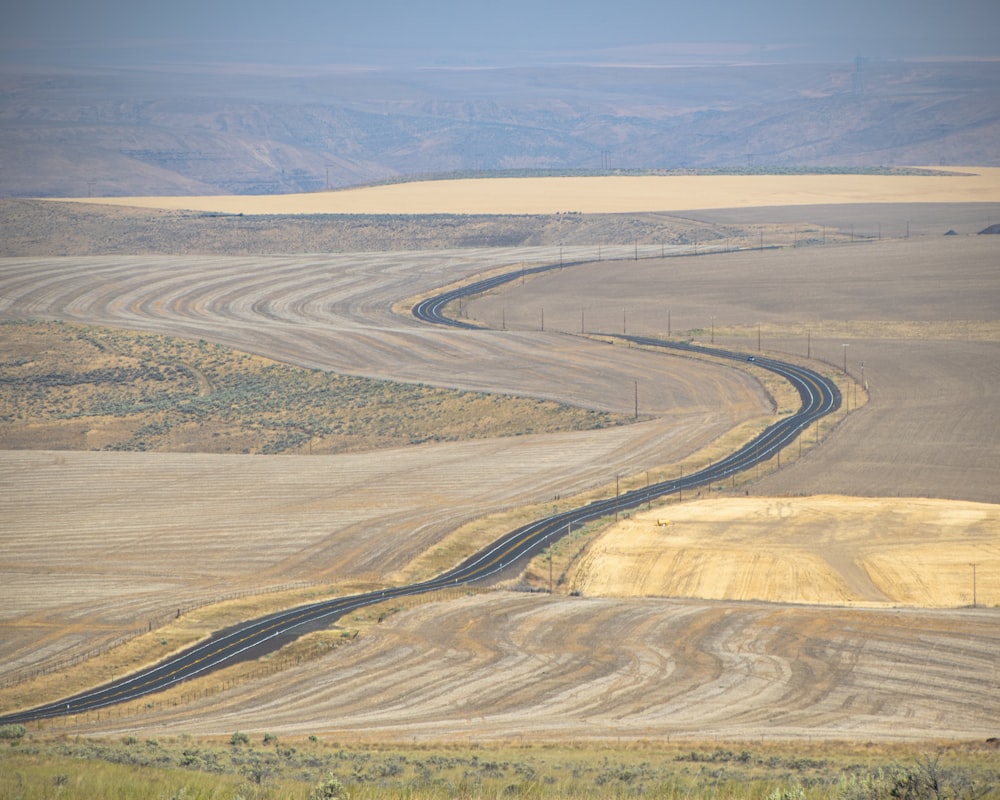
334 313
920 313
253 128
503 666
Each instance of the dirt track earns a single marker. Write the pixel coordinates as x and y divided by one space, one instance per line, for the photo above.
503 665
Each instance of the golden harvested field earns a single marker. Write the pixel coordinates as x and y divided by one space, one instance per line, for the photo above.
818 550
602 195
99 544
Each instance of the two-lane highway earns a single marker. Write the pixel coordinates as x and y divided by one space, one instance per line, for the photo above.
819 396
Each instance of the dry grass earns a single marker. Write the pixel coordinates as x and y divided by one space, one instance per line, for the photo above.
83 387
602 195
276 768
824 550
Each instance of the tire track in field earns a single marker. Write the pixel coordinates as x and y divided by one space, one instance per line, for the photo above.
503 666
334 313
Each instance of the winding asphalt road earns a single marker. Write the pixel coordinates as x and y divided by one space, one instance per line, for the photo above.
819 397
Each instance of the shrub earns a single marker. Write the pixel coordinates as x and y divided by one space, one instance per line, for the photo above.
239 738
795 793
12 731
925 780
330 788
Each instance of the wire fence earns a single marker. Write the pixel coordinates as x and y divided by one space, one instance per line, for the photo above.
66 661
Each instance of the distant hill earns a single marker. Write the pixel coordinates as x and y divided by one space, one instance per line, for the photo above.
264 130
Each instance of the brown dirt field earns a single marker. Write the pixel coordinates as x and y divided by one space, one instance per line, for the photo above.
335 312
920 313
503 666
97 545
164 514
601 195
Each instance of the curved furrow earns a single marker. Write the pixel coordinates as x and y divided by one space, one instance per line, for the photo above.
258 636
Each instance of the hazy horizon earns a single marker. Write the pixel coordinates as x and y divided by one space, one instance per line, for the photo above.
445 32
119 97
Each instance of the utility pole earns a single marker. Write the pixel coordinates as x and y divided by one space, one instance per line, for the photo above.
637 399
973 584
550 569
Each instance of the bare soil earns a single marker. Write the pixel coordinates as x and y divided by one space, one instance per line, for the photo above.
97 544
504 666
914 322
175 524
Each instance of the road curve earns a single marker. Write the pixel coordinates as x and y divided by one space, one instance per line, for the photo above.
819 396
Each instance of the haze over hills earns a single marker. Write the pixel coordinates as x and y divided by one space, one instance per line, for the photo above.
115 97
253 129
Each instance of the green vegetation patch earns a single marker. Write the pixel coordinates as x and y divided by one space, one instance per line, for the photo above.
75 387
266 766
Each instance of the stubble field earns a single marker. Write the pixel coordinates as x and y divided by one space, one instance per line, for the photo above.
921 315
605 195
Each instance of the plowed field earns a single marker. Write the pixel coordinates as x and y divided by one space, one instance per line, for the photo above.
507 666
99 544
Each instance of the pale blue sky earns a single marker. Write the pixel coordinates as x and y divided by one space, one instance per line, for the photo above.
313 31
